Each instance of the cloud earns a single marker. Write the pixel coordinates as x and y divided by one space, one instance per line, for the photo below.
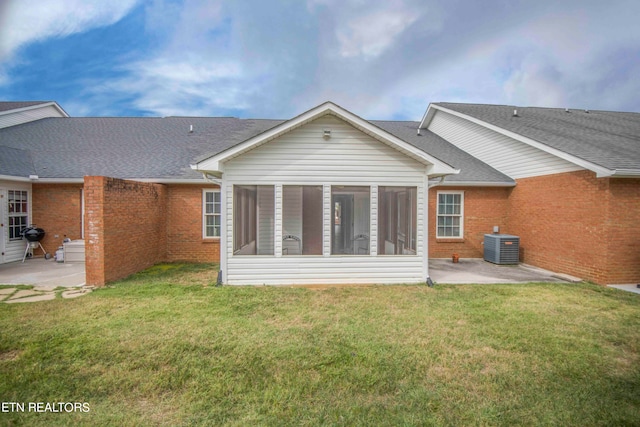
369 35
379 58
188 85
22 23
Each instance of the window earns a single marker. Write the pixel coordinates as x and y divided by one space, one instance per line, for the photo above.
253 219
351 220
450 214
18 213
301 220
212 209
397 220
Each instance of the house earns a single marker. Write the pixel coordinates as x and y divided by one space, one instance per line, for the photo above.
327 196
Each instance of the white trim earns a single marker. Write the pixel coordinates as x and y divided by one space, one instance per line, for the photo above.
625 173
461 193
204 213
476 184
425 231
15 178
35 107
435 167
196 181
599 170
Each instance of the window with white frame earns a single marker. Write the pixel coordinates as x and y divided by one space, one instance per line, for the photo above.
211 210
397 220
253 219
450 214
18 213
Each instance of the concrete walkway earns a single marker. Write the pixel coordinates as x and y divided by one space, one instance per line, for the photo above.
629 288
47 278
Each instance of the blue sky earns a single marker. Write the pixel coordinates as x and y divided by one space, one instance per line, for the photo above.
275 59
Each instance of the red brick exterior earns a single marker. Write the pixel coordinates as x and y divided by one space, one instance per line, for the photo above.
484 208
623 231
135 225
125 227
572 223
57 208
578 224
185 240
561 223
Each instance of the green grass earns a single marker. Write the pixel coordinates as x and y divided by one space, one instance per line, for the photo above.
166 347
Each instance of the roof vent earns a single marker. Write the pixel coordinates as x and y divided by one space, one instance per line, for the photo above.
566 110
190 128
586 111
418 132
515 112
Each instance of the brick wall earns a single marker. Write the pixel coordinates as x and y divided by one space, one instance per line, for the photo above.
623 231
185 240
125 227
57 208
483 208
561 221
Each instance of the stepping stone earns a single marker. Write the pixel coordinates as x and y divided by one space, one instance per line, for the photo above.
24 293
40 297
5 292
75 293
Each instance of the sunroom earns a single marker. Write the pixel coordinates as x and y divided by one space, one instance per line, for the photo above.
324 198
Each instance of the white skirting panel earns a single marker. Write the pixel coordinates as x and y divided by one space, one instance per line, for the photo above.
306 270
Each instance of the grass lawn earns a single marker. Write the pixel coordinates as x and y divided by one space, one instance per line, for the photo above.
166 347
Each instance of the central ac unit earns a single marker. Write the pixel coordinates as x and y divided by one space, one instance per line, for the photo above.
501 248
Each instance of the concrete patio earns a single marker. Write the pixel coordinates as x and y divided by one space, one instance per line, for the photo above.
43 273
476 270
47 275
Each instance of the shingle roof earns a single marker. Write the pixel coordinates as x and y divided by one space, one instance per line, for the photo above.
160 148
163 148
14 105
604 138
471 169
15 162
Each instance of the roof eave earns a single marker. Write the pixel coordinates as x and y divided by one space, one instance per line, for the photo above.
35 107
600 171
215 163
621 173
477 184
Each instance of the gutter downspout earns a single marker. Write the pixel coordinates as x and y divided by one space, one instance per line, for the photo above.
435 184
210 178
429 187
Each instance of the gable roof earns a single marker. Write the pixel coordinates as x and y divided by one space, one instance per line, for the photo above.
14 105
605 142
436 167
7 107
67 149
472 170
161 149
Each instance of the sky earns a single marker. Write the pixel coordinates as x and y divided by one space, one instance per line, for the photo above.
380 59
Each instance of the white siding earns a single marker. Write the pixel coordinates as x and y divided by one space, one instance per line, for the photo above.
16 118
248 270
304 157
509 156
265 210
13 249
